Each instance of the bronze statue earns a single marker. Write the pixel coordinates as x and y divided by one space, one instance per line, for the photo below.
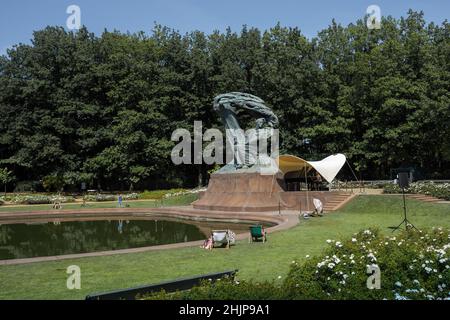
229 105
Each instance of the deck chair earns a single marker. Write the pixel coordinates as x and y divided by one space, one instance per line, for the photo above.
257 232
318 207
223 237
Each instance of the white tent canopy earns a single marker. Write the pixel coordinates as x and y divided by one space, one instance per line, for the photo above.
328 168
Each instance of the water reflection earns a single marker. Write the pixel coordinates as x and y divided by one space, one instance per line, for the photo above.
58 238
48 238
120 226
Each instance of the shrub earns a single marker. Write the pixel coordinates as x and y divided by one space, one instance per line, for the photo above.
130 196
27 186
31 199
158 194
6 198
438 190
165 194
182 193
40 199
100 197
63 199
53 182
413 265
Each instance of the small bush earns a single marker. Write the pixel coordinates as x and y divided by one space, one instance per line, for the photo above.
6 198
63 199
130 196
40 199
31 199
27 186
159 194
100 197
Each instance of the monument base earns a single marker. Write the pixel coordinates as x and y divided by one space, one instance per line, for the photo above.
249 192
256 192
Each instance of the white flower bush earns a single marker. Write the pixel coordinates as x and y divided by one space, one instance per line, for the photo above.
413 265
40 199
183 192
438 190
131 196
101 197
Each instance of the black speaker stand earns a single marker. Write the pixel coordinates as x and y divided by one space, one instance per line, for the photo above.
405 220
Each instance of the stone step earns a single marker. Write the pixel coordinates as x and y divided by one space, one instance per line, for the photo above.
337 202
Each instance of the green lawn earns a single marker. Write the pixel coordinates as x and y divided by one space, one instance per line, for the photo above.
47 280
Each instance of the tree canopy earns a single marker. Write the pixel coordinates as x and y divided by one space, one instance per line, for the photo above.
101 109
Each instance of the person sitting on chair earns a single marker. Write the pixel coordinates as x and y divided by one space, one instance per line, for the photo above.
318 207
208 244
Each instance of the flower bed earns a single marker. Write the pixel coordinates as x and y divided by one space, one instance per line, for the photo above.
183 192
438 190
40 199
412 265
130 196
111 197
100 197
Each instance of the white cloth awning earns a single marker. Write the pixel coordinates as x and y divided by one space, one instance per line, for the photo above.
328 168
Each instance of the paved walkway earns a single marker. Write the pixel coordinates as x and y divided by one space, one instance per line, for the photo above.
286 220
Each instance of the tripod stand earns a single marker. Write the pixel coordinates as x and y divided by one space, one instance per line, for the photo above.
405 219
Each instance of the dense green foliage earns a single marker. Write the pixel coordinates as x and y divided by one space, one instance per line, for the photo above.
413 265
6 176
76 107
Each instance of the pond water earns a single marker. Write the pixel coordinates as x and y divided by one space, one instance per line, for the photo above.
49 238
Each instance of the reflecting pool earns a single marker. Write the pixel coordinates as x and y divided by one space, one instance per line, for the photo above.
49 238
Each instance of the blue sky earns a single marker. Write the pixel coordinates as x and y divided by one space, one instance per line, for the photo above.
18 18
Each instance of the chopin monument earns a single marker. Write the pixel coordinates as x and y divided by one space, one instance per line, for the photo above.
251 181
248 148
254 179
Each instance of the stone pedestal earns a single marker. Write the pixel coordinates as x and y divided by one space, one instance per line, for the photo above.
249 192
256 192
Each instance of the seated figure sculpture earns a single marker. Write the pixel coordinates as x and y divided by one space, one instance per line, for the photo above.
229 105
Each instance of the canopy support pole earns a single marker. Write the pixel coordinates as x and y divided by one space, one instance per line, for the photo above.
307 191
359 182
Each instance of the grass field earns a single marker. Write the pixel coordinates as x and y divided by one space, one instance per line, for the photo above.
47 280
